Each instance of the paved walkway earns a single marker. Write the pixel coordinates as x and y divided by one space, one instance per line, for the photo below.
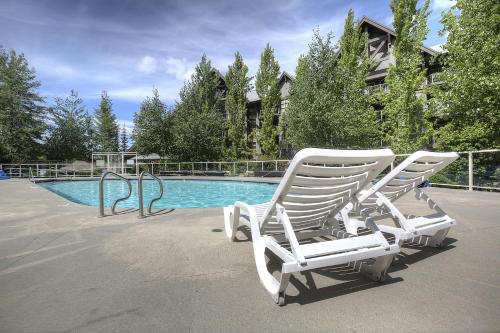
62 269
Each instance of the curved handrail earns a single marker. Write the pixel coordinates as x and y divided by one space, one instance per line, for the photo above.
101 192
139 193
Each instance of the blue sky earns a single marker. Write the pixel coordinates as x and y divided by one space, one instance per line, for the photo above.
128 47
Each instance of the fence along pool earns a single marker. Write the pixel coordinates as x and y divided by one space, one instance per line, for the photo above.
473 169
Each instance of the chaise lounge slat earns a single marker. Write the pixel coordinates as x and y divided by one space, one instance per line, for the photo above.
339 245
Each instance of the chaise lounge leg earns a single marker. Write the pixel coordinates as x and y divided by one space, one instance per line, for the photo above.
434 241
377 271
231 221
280 297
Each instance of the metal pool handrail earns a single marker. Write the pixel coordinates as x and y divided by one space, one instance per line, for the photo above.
139 192
32 178
101 192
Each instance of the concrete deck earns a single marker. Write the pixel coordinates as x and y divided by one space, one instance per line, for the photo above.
62 269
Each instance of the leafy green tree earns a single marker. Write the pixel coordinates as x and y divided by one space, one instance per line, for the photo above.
107 129
152 130
198 122
406 125
21 115
308 118
238 84
328 106
70 131
123 139
469 102
356 118
267 86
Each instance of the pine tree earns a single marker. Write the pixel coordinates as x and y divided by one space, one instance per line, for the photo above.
267 86
69 135
21 115
469 101
123 139
198 124
406 126
238 84
151 127
107 129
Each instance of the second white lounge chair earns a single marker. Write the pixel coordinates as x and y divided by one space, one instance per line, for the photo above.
428 230
317 185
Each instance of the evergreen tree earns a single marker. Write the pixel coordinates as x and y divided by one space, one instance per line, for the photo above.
198 124
21 116
123 139
238 84
469 103
151 127
267 86
70 133
107 129
406 126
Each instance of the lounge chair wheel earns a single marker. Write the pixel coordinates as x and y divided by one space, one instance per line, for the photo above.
281 299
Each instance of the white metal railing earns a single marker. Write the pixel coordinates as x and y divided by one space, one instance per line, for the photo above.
217 168
469 171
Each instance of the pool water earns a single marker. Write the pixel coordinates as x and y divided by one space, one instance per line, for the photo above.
177 193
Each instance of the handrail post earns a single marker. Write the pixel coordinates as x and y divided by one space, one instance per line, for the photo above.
101 195
139 194
471 171
101 192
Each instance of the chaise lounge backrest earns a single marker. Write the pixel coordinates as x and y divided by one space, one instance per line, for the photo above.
409 174
320 182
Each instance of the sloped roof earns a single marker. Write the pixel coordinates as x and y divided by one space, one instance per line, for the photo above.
252 95
385 28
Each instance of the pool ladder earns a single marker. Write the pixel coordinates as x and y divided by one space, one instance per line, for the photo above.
139 191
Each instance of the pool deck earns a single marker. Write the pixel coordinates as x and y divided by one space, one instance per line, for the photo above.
63 269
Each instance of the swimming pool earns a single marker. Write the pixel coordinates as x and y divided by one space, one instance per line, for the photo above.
182 193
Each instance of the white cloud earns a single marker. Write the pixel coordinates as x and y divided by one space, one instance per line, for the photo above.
443 4
147 65
180 68
168 92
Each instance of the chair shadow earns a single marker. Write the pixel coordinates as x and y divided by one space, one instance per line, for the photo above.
351 281
403 259
247 232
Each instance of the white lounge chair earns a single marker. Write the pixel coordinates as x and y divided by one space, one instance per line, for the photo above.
428 230
316 186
